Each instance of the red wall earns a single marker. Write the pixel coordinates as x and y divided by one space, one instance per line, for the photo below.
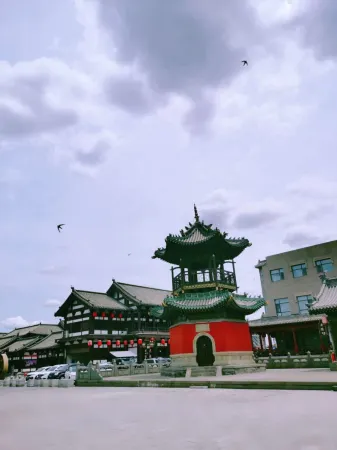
228 336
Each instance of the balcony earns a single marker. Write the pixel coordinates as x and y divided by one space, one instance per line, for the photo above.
208 278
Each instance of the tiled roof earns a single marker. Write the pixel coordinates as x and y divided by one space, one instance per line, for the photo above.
205 301
2 335
41 328
20 344
294 319
200 233
99 300
47 342
143 294
326 299
5 341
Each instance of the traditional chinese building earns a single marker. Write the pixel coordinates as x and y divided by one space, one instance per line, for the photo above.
97 325
207 316
294 334
326 303
34 346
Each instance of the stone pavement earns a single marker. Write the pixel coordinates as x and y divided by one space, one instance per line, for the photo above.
163 419
268 375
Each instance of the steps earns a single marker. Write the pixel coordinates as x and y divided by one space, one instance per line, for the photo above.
209 371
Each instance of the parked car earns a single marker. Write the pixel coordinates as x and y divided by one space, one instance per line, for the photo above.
105 366
72 371
166 362
152 362
37 373
56 372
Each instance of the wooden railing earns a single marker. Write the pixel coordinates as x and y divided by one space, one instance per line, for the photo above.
200 277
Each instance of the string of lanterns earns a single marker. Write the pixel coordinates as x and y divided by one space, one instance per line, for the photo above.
111 315
109 343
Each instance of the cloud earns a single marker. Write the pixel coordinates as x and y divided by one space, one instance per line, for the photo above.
53 270
302 237
316 23
52 303
255 219
313 187
182 47
25 106
227 209
16 322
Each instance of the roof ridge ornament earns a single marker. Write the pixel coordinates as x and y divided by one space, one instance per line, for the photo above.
196 215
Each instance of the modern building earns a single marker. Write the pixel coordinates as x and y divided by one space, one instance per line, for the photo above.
290 282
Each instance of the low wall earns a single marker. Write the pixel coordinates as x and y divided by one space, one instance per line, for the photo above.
294 362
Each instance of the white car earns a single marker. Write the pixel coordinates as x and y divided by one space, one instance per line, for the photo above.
45 373
37 373
71 372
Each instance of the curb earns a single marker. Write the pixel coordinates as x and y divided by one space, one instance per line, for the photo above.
277 385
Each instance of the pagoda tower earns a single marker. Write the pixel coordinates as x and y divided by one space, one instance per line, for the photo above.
207 316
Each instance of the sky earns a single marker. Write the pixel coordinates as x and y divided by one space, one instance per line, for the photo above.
117 116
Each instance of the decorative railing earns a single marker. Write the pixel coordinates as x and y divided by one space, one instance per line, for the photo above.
188 278
297 361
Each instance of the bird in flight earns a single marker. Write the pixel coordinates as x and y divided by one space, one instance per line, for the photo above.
129 254
59 227
244 62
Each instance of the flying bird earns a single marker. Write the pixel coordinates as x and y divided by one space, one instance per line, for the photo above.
244 62
129 254
59 227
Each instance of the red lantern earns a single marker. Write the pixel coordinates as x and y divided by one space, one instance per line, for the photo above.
140 341
108 343
89 343
94 314
152 339
118 343
103 314
120 315
169 341
132 342
125 342
99 343
112 315
162 341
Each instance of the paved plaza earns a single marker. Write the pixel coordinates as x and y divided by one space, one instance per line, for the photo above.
143 418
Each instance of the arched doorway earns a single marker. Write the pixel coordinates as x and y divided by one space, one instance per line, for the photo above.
205 356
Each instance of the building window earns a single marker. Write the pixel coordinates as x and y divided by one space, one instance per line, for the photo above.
324 265
304 301
282 307
277 275
299 270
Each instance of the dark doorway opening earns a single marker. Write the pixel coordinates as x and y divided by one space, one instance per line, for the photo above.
205 356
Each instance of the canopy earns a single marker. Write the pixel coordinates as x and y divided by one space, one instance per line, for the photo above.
121 354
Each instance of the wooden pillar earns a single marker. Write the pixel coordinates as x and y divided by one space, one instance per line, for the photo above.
270 344
295 341
261 341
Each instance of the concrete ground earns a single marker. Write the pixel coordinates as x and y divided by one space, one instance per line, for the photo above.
141 418
268 375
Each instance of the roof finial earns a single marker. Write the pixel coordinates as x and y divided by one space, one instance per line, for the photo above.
196 215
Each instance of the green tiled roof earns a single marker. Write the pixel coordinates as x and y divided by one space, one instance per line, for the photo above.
99 300
21 344
47 342
293 319
6 341
326 300
209 240
143 294
40 329
207 301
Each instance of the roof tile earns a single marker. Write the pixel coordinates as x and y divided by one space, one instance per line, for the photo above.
293 319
